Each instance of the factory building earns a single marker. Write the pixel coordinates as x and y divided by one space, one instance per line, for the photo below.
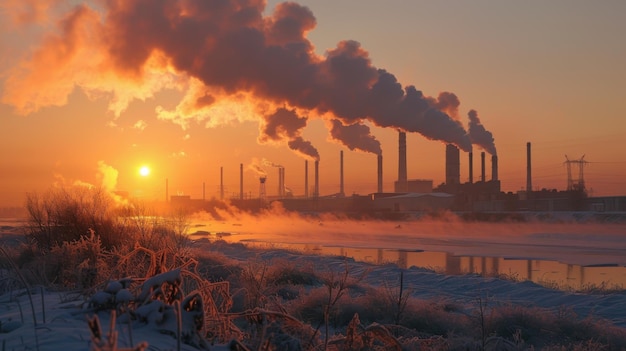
482 195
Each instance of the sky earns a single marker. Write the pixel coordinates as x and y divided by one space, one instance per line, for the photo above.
92 91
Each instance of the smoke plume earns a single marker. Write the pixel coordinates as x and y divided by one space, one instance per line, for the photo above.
255 167
107 176
126 50
479 135
284 124
270 163
304 148
355 136
447 102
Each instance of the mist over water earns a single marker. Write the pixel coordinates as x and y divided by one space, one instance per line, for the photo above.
562 252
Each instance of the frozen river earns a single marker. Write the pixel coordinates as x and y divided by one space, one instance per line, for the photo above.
572 255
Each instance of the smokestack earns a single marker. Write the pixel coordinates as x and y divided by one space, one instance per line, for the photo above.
167 196
471 167
380 173
316 190
203 191
280 181
341 193
494 167
241 181
482 166
402 173
453 165
221 183
529 179
306 178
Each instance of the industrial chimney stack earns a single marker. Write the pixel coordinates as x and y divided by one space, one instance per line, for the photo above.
306 178
529 179
380 173
401 185
494 167
482 166
316 191
471 167
280 175
453 165
341 193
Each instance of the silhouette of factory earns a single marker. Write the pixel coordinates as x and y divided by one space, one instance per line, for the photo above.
476 196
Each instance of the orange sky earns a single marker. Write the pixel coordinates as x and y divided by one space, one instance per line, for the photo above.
91 93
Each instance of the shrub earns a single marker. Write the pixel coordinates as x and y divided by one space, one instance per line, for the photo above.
284 273
66 214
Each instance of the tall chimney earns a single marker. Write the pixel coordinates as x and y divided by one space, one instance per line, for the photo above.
241 181
280 181
471 167
306 178
453 165
482 166
222 183
402 172
529 179
494 167
316 190
167 196
341 193
203 191
380 173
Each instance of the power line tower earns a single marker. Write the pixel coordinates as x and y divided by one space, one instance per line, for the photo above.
577 184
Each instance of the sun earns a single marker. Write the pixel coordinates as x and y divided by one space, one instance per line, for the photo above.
144 171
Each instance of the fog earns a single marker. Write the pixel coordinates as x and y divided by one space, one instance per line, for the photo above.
564 239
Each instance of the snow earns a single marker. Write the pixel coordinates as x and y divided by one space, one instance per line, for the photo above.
65 326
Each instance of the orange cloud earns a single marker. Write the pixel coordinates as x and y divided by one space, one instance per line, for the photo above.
77 56
232 63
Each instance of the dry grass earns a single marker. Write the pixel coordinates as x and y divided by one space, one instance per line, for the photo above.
275 304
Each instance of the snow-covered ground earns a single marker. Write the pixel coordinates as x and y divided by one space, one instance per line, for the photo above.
570 243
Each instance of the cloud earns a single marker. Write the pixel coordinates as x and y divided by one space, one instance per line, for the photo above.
232 62
76 55
140 124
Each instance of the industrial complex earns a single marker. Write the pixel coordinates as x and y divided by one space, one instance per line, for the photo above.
480 195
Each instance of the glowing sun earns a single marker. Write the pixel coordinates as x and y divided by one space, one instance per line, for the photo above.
144 171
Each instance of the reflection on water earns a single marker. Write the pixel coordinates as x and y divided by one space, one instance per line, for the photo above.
550 273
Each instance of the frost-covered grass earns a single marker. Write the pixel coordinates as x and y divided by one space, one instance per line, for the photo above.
155 289
274 300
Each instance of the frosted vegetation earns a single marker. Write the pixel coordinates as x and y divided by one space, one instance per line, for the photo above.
144 285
